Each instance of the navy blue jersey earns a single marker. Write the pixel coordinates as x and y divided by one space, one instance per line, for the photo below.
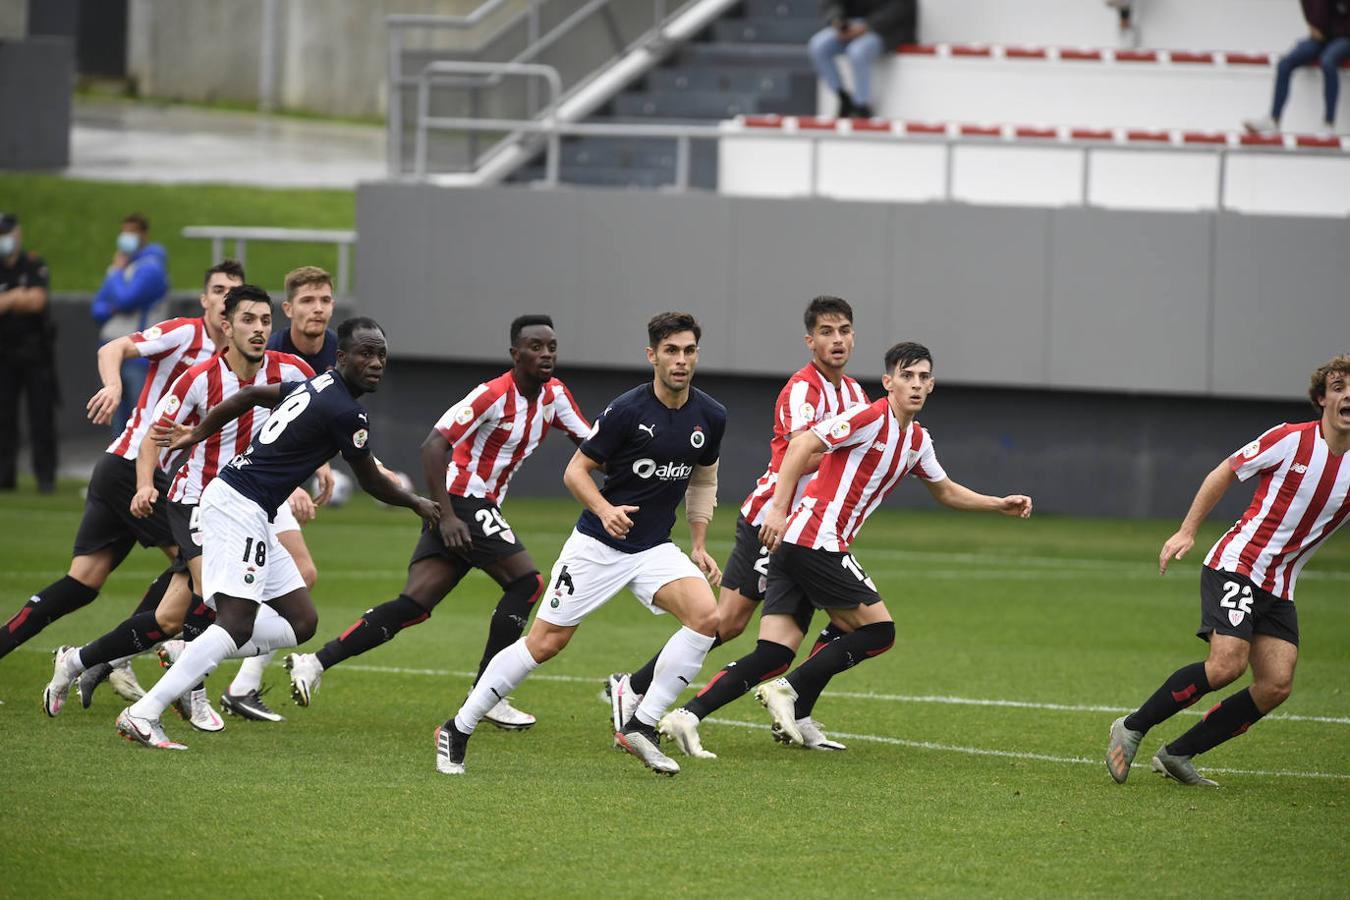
320 362
317 419
649 451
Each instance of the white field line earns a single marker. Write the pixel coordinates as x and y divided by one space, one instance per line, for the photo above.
1038 757
849 695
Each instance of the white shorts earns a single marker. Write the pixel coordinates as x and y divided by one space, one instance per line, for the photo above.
588 573
241 556
284 520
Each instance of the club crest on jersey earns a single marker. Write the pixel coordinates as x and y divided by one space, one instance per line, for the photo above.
840 430
1235 617
172 405
1252 449
696 439
151 334
359 438
807 412
464 415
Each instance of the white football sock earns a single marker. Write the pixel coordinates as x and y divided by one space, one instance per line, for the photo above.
269 633
676 668
503 674
250 675
199 658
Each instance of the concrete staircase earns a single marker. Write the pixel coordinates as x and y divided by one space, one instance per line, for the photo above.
753 61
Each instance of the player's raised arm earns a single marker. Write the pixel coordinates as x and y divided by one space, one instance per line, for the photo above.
1216 483
228 410
577 477
957 496
374 483
803 451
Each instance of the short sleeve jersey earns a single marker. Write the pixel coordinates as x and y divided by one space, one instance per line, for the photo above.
649 451
317 419
320 362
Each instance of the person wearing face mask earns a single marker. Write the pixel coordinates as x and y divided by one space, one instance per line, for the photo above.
133 296
27 362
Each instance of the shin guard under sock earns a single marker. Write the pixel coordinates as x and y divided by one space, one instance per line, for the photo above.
43 608
767 660
378 625
641 680
1183 688
135 635
677 666
502 676
199 618
844 652
510 616
826 637
1227 720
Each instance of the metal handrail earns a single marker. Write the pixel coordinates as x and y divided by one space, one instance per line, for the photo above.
454 67
683 135
535 45
241 235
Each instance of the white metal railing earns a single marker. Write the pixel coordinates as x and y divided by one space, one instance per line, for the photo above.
536 43
219 234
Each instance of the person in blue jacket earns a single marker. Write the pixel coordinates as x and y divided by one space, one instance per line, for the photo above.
132 297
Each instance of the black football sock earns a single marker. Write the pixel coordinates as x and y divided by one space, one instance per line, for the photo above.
155 593
135 635
199 618
378 625
1183 688
42 609
767 660
510 617
1229 719
844 652
641 680
826 636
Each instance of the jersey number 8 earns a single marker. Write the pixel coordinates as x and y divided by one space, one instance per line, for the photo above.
290 408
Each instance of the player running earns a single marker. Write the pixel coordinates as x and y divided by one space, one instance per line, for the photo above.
866 452
1247 609
658 443
490 432
261 601
818 391
108 530
242 362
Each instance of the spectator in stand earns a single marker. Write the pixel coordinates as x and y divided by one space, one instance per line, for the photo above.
133 296
861 30
1328 44
27 360
1129 23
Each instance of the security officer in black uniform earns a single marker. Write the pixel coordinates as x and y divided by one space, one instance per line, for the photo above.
27 358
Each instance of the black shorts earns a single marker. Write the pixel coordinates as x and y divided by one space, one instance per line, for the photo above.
493 538
802 580
186 529
747 571
108 521
1231 604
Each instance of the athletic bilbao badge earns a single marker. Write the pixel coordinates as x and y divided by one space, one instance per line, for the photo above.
1235 616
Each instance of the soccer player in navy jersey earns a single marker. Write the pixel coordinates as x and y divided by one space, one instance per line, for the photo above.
657 444
261 601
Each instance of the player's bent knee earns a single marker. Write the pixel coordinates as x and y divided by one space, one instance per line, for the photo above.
92 570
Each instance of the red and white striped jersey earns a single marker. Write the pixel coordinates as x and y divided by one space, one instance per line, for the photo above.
807 399
172 347
202 387
494 428
867 453
1302 498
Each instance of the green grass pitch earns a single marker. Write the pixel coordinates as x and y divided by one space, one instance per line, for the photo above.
942 790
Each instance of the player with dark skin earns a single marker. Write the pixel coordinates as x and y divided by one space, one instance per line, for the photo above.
432 578
361 367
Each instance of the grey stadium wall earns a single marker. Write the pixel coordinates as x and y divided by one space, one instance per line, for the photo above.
1100 360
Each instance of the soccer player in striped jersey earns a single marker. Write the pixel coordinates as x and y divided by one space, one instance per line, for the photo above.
108 531
242 362
865 452
487 434
1247 611
818 391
